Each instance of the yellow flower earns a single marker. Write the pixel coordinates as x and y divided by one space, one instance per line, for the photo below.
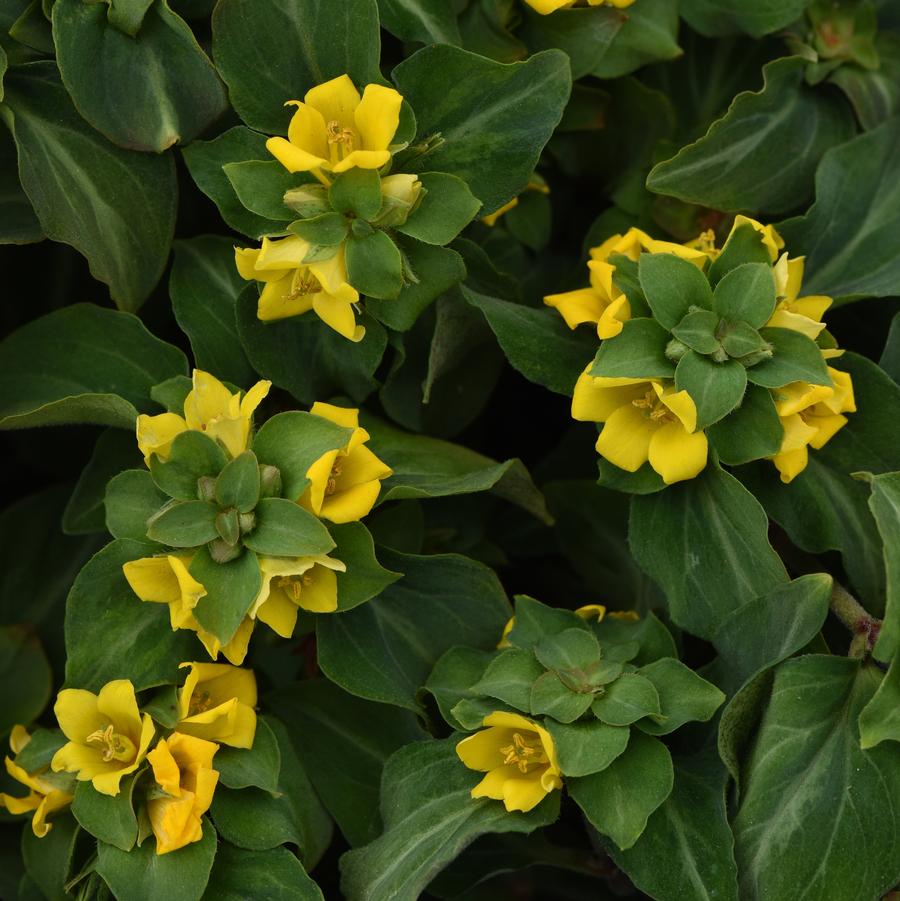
644 420
705 242
519 758
47 792
293 287
182 767
800 314
290 584
344 484
811 415
217 703
209 407
334 130
399 197
108 737
166 580
545 7
536 183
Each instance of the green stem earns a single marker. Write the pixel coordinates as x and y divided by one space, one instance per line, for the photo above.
857 619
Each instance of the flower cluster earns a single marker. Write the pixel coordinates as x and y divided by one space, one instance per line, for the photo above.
240 538
703 345
106 739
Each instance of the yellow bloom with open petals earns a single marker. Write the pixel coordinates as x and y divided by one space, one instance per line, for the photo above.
811 415
291 584
545 7
800 314
108 737
182 767
344 483
644 420
519 758
166 580
217 703
292 287
209 407
47 792
334 129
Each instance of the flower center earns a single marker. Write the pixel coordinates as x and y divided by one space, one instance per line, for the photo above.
293 585
654 407
302 284
340 140
200 703
115 746
333 476
523 753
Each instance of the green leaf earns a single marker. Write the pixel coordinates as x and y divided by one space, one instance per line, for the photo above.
536 621
384 650
256 767
260 185
672 287
760 156
719 17
739 339
206 161
19 223
796 358
746 294
335 366
446 208
638 351
48 860
684 696
551 697
744 245
285 529
536 342
238 483
848 234
807 757
630 698
258 820
586 747
160 88
193 455
292 442
874 95
357 191
230 590
619 799
715 388
87 195
429 818
365 577
327 230
879 720
112 634
437 269
425 21
277 874
427 467
575 656
751 432
698 331
183 524
685 853
649 33
884 503
26 677
109 818
492 147
454 677
143 875
374 266
101 371
114 452
508 677
343 742
681 537
289 48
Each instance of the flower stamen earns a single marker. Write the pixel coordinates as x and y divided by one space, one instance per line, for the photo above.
116 746
520 753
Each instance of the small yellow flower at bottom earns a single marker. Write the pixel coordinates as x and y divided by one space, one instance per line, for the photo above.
545 7
217 703
182 767
344 483
108 737
644 420
47 792
519 758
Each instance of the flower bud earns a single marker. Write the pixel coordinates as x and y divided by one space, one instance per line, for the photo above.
269 481
206 488
228 527
222 552
308 200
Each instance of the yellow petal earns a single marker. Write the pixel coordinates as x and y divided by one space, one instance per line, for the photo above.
576 307
492 786
319 595
591 611
155 434
339 315
117 702
351 504
625 439
332 276
799 396
276 300
545 7
791 463
510 720
362 159
18 738
813 306
293 158
523 793
843 400
282 253
245 260
614 317
680 403
279 613
318 475
481 750
595 401
796 322
209 399
307 132
360 466
677 454
254 397
378 116
165 769
77 714
336 100
797 434
826 427
50 803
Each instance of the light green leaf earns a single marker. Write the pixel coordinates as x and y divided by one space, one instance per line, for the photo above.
586 747
193 455
638 351
447 207
750 432
260 185
746 294
101 372
492 146
508 677
630 698
365 577
454 677
109 818
684 696
884 503
672 286
116 207
275 874
716 388
256 767
285 529
718 17
374 265
795 358
650 33
425 21
230 590
761 156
